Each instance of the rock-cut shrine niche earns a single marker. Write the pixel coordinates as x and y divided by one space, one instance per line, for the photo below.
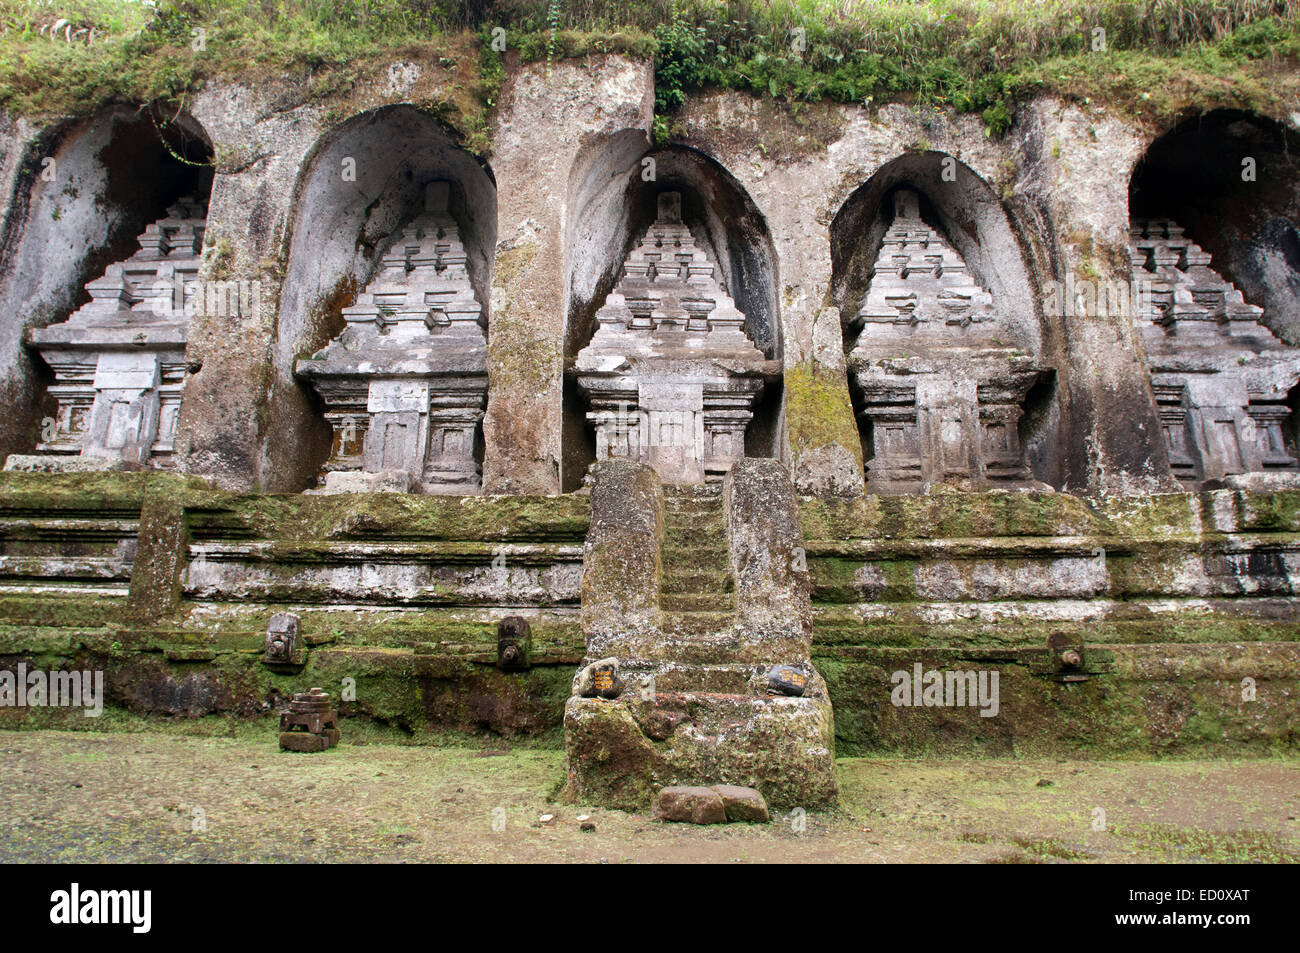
119 360
1221 378
405 383
940 382
671 374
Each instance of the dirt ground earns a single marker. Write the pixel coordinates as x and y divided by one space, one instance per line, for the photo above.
85 797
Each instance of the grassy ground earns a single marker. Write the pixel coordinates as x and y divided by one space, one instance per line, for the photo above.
82 796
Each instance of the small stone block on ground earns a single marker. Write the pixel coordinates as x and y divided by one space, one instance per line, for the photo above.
691 805
743 804
303 741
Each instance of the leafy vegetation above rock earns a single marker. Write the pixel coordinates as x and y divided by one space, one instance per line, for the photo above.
1151 57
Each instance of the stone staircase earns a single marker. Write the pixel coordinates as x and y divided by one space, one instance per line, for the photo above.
695 706
695 589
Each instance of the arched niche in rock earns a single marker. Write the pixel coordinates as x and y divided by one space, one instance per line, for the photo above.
672 335
380 350
108 210
949 365
1214 209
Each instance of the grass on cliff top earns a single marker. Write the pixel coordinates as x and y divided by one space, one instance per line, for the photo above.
68 57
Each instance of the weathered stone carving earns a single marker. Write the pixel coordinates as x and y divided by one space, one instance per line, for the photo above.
670 372
310 723
941 389
1221 378
281 639
514 644
405 383
119 360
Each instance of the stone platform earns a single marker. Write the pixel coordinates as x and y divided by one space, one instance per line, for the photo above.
716 595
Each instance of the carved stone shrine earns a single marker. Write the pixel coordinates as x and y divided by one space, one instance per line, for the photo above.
939 386
119 360
670 373
405 383
1221 378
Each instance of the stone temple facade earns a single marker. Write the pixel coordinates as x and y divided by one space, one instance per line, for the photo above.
670 373
1221 378
405 383
832 426
119 361
941 390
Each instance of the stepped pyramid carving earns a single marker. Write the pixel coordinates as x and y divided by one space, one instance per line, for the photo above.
1221 378
119 360
670 373
941 390
405 382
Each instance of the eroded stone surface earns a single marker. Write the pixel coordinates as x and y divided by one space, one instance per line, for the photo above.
692 805
942 388
732 602
119 361
743 804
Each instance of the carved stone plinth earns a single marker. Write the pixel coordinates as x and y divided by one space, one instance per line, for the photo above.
405 383
119 361
939 390
310 724
670 373
1220 377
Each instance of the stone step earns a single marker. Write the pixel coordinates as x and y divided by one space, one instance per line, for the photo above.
711 509
691 580
695 559
696 602
693 491
726 679
696 624
698 533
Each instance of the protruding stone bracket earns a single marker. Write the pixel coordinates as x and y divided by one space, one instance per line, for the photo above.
284 651
621 558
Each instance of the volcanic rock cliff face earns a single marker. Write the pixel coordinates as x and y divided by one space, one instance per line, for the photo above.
842 390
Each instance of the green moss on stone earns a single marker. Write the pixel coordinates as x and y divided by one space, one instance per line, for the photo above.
818 411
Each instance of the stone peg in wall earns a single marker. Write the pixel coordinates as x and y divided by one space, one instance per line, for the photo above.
514 644
282 640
